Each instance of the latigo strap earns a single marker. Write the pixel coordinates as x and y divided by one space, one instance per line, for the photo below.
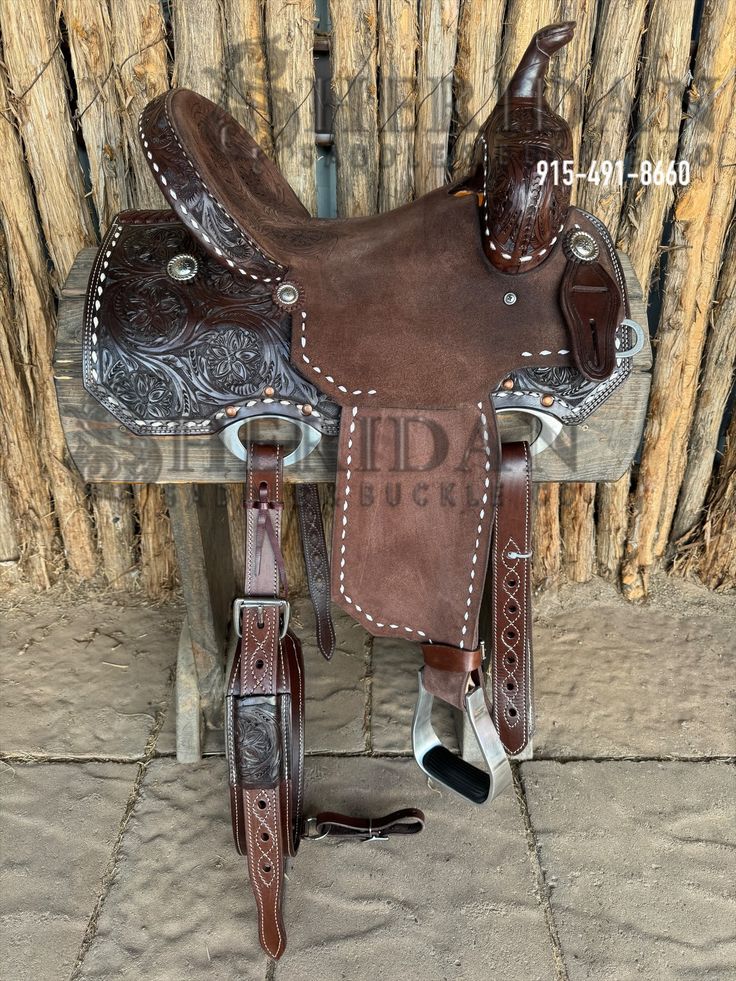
511 558
265 707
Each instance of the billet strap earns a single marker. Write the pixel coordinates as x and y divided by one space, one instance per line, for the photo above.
511 566
317 562
265 718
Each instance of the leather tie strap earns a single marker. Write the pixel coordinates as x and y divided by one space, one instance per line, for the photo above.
511 559
329 824
317 562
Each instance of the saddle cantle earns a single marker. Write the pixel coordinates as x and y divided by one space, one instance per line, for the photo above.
406 333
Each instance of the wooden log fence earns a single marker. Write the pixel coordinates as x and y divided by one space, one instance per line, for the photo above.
411 81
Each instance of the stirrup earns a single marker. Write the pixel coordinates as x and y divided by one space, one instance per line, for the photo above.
447 768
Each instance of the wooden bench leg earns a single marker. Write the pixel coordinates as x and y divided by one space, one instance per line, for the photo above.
202 538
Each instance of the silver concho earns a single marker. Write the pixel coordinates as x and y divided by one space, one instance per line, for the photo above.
580 245
182 267
287 294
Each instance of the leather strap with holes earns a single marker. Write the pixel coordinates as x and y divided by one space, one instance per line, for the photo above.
265 718
511 565
263 790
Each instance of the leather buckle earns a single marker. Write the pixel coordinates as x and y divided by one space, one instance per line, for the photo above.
258 603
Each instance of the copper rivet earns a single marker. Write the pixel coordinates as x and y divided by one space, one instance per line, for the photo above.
269 392
508 384
548 400
307 410
231 411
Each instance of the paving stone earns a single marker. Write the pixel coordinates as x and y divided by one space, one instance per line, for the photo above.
612 679
59 823
457 901
180 908
84 678
396 664
639 861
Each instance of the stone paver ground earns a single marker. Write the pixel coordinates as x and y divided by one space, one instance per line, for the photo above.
613 860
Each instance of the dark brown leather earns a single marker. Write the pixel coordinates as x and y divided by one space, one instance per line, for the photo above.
445 658
511 565
523 214
317 563
412 533
330 824
589 301
170 357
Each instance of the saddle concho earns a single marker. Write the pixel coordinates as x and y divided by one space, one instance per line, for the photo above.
488 295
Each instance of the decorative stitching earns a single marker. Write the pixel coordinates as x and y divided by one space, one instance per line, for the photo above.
317 370
372 617
481 517
171 193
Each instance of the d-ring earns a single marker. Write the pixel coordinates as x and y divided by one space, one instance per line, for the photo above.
310 438
638 343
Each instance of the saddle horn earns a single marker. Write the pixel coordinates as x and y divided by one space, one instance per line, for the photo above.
522 211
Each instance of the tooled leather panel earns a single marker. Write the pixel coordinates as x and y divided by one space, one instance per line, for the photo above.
317 564
257 743
522 212
165 356
223 186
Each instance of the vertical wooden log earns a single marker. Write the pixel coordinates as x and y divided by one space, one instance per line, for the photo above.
610 101
236 521
661 88
354 52
476 73
523 20
701 216
397 48
26 501
32 308
569 72
90 42
89 30
139 48
609 105
291 544
289 45
577 529
141 73
247 70
717 560
9 550
570 68
713 391
113 507
612 524
157 561
546 562
39 98
199 48
438 24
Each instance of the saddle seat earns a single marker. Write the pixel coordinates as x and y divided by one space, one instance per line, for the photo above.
390 309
